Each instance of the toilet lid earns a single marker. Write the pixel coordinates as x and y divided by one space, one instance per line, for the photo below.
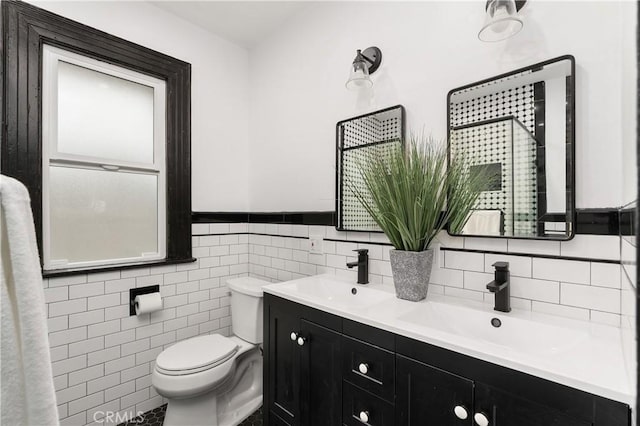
247 285
197 353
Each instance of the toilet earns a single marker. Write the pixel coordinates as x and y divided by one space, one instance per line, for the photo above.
212 379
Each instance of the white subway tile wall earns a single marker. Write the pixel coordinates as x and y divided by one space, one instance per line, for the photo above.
594 246
102 358
581 289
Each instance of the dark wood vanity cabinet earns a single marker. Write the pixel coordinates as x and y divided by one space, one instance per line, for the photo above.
282 389
504 408
428 396
303 368
334 371
320 375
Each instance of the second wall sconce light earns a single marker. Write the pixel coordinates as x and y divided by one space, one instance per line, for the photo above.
502 20
364 64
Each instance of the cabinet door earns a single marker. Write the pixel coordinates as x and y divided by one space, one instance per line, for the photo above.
283 363
505 409
427 396
321 375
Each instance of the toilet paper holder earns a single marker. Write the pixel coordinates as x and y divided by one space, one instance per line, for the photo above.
133 292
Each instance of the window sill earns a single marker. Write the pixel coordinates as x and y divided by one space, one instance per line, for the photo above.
92 270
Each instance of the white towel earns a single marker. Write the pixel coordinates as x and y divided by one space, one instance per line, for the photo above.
26 381
483 222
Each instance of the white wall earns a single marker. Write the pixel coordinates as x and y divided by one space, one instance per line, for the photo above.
298 75
629 104
219 96
555 125
271 140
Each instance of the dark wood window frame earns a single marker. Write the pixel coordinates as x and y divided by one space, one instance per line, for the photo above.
25 28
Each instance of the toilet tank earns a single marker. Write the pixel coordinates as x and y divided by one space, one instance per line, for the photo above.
246 308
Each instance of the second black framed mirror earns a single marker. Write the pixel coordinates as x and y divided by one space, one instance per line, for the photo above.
520 125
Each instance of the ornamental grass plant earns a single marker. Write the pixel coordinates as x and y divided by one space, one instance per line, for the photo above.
413 192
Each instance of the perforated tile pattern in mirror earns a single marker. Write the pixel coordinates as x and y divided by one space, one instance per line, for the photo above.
489 144
357 138
517 102
501 142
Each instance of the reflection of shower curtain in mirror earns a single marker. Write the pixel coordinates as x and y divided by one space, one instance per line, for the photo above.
504 141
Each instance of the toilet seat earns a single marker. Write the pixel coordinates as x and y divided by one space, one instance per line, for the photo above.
196 355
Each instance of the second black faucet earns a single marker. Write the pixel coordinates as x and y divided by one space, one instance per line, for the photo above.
500 287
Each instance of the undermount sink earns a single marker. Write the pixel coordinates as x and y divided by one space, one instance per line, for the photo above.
335 292
508 331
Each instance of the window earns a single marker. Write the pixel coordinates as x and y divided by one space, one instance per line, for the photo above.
103 146
136 190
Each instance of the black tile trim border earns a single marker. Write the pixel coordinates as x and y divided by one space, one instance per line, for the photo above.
542 256
628 221
600 221
597 221
222 234
372 243
253 233
337 240
219 217
326 218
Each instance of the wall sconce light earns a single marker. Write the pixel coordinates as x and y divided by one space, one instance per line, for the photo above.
364 64
502 20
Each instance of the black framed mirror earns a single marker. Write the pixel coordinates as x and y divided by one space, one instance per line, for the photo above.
358 139
520 127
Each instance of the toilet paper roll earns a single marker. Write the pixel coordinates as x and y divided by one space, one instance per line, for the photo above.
146 303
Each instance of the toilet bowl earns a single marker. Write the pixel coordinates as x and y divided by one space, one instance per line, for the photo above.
212 379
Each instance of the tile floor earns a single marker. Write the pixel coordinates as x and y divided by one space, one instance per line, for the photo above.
156 418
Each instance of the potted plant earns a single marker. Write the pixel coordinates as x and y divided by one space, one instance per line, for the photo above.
412 192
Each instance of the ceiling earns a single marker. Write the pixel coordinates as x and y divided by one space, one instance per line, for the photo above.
241 22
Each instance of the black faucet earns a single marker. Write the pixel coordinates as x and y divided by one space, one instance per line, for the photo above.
500 286
363 266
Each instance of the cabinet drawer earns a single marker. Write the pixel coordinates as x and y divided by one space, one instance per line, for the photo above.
356 401
369 367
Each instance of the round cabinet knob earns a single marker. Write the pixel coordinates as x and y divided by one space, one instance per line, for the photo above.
301 341
294 336
481 419
363 368
460 412
364 416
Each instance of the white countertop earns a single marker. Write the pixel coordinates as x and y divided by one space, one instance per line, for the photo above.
591 359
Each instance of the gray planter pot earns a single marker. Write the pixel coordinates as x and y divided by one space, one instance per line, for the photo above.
411 272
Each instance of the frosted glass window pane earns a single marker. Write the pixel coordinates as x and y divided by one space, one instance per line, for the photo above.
100 215
104 116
